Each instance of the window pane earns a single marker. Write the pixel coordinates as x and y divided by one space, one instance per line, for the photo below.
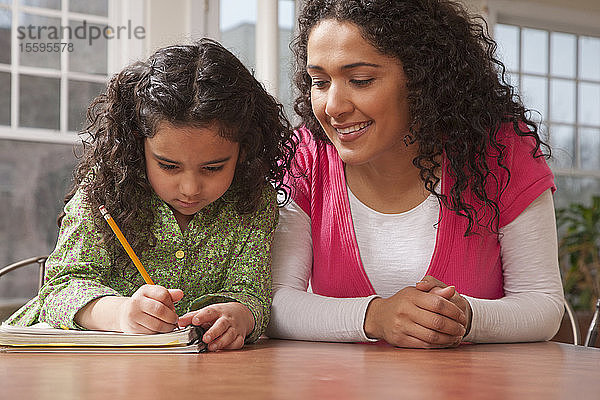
286 30
39 102
96 7
237 25
589 58
5 25
563 55
38 30
575 190
589 148
42 3
562 106
89 55
534 51
80 96
543 132
4 98
589 103
535 94
513 80
562 141
28 216
507 37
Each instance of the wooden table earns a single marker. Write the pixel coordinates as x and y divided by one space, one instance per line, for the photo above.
279 369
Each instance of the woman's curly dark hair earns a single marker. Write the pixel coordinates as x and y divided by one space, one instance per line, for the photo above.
193 85
458 93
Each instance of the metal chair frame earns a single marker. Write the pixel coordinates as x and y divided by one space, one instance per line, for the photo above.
574 322
592 333
40 260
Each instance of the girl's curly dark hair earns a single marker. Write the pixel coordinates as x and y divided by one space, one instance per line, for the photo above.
193 85
458 93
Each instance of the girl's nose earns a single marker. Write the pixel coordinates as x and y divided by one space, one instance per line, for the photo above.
338 101
190 185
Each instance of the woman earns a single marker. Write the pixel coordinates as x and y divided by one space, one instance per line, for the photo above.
418 168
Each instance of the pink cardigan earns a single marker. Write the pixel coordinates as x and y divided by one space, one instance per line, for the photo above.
472 264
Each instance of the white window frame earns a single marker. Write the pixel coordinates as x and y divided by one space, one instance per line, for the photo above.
119 52
207 25
551 19
267 36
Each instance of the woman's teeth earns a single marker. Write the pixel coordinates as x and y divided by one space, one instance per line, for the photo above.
353 128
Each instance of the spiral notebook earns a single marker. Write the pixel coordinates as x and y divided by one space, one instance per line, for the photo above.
43 338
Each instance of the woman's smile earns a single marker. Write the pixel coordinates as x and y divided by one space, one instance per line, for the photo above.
352 132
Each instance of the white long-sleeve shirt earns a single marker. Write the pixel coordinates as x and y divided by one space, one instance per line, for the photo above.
531 309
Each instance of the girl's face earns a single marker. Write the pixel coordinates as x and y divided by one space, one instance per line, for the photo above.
358 94
189 168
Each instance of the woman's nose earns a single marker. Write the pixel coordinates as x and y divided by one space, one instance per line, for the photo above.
338 101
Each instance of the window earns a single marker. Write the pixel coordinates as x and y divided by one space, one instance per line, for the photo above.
237 32
55 60
52 63
557 73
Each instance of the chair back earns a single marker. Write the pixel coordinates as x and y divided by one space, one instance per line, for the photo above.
39 260
574 322
592 333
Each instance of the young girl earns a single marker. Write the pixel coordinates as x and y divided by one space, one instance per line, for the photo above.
184 151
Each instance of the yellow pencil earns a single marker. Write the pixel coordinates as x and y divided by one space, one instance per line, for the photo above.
126 246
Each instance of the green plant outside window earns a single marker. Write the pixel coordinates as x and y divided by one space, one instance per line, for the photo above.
579 252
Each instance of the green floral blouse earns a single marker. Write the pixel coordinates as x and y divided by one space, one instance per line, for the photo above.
222 256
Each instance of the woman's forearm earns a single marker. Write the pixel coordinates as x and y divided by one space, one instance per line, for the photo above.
307 316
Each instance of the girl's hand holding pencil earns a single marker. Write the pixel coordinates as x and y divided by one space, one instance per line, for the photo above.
151 309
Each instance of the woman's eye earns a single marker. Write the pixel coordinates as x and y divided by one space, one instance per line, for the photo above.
167 167
214 169
362 82
318 83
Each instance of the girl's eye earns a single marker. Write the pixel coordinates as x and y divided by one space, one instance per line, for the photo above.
214 169
362 82
167 167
